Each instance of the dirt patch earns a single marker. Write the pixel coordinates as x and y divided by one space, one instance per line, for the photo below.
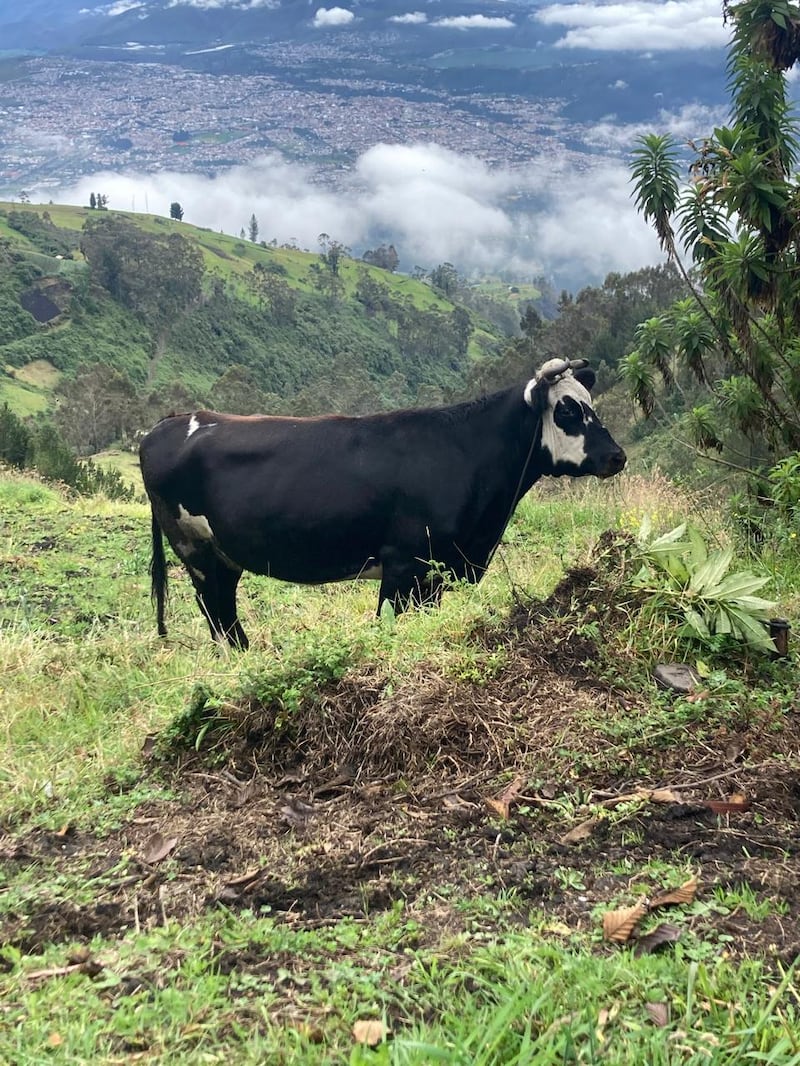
373 795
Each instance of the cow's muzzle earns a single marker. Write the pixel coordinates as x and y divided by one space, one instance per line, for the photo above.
614 464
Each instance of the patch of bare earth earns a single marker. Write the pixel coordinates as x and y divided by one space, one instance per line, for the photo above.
375 795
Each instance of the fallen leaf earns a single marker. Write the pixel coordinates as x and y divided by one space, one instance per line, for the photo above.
244 879
369 1031
696 697
501 803
618 925
684 894
666 933
580 832
55 1040
296 812
735 804
64 831
158 847
343 779
659 1014
665 795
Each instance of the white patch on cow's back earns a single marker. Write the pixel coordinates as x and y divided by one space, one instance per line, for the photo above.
563 447
195 526
195 424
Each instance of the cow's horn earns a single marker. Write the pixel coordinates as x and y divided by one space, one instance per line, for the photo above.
553 368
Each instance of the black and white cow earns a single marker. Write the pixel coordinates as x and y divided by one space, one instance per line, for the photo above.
380 496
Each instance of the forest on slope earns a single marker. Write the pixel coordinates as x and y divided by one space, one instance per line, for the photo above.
109 320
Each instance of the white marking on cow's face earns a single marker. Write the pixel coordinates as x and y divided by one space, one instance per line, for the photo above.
195 526
566 443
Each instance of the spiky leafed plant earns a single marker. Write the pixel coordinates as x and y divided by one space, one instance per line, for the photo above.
738 220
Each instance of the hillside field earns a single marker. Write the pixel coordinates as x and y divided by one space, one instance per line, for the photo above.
392 840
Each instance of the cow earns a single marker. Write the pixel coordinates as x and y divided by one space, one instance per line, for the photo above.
405 497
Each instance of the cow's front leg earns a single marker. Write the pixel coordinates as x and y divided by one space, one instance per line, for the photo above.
408 582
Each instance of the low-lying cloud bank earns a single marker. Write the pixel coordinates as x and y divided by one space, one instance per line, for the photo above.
434 204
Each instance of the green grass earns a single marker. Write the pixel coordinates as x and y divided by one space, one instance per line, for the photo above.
493 976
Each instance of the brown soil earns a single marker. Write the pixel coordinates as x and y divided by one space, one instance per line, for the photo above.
375 795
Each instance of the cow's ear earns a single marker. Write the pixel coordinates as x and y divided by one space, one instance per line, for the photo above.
586 376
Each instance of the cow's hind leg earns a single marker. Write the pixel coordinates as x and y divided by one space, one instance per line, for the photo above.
215 590
227 578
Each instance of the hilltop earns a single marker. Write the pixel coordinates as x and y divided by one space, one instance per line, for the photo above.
187 317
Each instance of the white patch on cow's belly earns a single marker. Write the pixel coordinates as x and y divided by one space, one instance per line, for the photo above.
371 573
195 526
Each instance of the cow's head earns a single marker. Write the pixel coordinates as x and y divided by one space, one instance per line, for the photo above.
573 439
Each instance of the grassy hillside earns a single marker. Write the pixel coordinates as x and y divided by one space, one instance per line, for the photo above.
305 331
406 832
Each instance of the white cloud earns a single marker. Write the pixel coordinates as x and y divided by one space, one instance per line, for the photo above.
474 22
412 18
121 6
332 16
241 5
619 84
436 204
638 25
690 122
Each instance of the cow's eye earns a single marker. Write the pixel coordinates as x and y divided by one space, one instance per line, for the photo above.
568 413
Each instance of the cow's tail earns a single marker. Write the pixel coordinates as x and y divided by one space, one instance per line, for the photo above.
158 573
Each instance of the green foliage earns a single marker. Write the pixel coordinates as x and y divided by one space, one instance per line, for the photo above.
682 577
15 439
54 460
156 277
43 234
738 218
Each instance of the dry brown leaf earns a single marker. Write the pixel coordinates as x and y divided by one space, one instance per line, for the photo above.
738 803
497 807
55 1040
369 1031
501 803
580 832
666 933
158 847
618 925
659 1014
684 894
244 879
664 795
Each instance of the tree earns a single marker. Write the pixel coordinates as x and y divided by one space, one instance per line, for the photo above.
156 276
332 253
176 211
738 220
445 278
92 201
15 438
252 228
384 257
95 408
